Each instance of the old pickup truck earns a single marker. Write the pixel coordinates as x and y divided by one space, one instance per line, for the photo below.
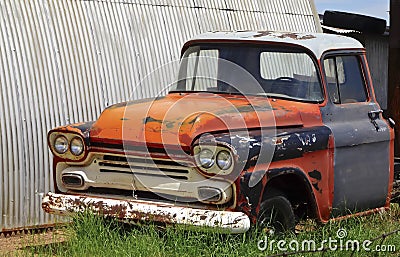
261 129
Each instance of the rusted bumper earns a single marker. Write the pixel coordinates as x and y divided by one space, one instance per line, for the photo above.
63 204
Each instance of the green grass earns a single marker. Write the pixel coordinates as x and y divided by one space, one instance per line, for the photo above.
93 236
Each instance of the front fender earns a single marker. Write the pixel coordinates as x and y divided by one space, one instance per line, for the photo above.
251 197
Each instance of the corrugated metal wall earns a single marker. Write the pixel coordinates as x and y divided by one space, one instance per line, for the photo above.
378 61
63 61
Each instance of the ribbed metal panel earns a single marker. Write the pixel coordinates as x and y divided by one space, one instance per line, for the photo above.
378 56
64 61
272 15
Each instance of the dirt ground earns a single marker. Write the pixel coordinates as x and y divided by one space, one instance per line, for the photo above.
16 243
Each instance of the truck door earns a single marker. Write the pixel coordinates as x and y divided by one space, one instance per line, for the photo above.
362 138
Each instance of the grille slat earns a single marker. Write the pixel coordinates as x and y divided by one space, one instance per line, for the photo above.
145 174
142 160
144 166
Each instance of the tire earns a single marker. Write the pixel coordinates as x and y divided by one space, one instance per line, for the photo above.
276 213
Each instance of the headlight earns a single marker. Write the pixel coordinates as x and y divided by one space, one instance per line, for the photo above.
66 145
214 160
77 146
206 158
224 160
61 144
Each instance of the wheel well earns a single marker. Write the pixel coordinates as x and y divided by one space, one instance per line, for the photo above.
297 190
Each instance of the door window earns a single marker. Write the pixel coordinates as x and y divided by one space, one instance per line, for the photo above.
345 79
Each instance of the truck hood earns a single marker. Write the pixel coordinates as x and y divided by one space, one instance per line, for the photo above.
177 119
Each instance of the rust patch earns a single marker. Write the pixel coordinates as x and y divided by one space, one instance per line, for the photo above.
262 34
235 222
307 37
296 36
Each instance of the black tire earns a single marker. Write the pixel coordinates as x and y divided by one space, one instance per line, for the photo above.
358 22
276 213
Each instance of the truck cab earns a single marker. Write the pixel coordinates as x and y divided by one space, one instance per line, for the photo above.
261 128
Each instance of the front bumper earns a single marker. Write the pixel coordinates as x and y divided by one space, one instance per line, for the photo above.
136 210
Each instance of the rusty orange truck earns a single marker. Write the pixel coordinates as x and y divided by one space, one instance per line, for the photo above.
261 128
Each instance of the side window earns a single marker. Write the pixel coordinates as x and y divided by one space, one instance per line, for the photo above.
345 80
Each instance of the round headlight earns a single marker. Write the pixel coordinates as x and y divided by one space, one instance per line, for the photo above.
77 146
61 144
206 158
224 160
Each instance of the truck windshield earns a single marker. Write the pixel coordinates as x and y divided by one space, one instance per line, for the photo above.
250 70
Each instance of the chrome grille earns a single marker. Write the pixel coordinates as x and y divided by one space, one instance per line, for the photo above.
144 166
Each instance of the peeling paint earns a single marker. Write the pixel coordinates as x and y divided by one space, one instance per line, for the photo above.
316 177
232 222
315 174
296 36
262 34
168 124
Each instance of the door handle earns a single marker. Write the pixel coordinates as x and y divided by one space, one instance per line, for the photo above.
373 116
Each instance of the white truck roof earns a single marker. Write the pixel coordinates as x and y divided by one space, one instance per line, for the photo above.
318 43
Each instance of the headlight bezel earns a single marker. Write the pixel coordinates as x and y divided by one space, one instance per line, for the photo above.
214 169
70 136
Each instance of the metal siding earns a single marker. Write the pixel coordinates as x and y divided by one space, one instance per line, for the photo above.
272 15
210 4
212 20
64 61
378 56
14 172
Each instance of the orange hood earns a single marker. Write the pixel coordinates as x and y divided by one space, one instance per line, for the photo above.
179 118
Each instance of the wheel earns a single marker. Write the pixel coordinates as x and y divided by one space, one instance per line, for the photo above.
276 213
